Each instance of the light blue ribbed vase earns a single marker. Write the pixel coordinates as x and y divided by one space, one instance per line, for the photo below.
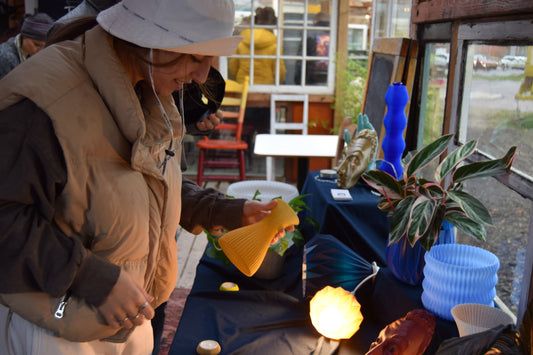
457 274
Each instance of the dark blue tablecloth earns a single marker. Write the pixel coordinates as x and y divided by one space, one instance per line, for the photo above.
358 223
235 319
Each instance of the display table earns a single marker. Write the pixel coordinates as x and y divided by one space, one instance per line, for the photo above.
234 318
358 223
272 316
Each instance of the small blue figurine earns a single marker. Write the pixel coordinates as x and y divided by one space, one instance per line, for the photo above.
364 123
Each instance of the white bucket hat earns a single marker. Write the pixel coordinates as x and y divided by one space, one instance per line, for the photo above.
202 27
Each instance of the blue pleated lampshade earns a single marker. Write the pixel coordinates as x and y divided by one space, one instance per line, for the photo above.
329 262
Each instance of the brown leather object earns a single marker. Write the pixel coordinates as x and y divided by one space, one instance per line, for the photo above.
409 335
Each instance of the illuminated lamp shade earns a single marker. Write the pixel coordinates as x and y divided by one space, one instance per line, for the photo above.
335 313
247 246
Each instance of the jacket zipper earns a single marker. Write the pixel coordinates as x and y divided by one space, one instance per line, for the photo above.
60 310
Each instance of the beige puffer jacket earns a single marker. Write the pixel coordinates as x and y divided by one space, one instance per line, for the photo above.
116 199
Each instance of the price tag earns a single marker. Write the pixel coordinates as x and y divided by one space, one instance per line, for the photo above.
341 194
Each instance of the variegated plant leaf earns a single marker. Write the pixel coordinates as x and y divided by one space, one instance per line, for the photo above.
400 219
485 168
427 154
383 183
454 158
467 225
473 208
420 218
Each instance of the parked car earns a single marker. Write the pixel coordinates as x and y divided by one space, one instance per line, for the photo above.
481 62
513 62
441 60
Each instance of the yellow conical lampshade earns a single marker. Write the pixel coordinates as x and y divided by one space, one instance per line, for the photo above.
247 246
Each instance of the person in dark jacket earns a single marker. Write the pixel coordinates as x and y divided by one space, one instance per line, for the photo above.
29 41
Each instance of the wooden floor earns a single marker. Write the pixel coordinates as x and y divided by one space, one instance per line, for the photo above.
191 248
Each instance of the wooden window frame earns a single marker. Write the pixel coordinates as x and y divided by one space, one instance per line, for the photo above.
461 23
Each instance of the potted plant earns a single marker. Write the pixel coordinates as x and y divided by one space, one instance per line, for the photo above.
272 265
418 207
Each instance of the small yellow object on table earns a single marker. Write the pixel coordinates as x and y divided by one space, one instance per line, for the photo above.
229 286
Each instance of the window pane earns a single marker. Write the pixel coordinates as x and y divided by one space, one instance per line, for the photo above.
293 7
316 72
274 52
497 110
392 18
293 67
260 43
497 104
243 12
436 64
357 38
435 74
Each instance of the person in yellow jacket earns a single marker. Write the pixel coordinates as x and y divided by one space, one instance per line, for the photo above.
265 43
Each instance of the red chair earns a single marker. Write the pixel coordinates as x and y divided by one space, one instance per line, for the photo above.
226 151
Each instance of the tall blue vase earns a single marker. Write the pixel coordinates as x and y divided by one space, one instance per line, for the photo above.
394 122
407 262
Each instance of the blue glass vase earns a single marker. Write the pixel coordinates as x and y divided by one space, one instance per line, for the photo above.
394 122
407 262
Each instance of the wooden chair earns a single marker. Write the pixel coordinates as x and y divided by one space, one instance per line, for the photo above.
226 151
352 128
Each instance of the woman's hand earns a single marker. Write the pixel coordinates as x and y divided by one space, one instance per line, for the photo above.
127 304
210 122
254 211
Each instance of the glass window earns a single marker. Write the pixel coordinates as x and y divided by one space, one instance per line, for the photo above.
497 103
357 37
285 43
491 101
392 18
496 108
436 64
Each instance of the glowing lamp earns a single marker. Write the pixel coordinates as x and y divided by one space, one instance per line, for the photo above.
335 313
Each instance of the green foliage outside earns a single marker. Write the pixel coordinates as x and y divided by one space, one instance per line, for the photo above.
351 81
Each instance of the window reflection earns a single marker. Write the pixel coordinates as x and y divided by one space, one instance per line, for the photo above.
497 105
